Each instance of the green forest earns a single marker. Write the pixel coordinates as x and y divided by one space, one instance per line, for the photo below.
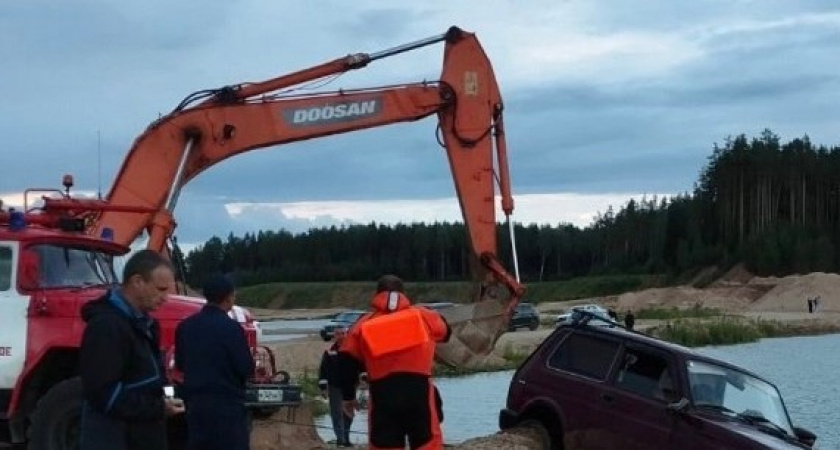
773 206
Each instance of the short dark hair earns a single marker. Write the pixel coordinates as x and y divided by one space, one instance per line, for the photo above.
143 263
389 283
217 287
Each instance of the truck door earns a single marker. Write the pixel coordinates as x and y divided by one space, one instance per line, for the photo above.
13 308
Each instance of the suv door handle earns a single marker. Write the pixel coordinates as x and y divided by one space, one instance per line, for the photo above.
607 398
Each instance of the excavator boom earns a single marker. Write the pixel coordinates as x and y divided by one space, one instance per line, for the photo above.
213 125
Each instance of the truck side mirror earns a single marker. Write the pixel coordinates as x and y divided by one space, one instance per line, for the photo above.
28 274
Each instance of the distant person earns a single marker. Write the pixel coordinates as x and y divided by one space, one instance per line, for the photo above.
213 354
611 312
396 346
120 362
328 382
629 319
810 305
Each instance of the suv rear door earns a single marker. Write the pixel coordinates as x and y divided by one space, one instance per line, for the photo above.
575 374
644 382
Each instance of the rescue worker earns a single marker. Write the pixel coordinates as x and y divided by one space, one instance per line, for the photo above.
120 363
395 344
213 354
328 382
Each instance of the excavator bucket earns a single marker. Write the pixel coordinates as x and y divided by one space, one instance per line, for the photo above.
476 327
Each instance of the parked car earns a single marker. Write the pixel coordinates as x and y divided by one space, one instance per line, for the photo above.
524 316
590 387
566 317
344 319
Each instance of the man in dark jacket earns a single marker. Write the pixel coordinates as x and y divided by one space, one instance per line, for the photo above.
212 352
120 364
328 382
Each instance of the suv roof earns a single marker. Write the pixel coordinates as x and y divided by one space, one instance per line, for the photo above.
620 331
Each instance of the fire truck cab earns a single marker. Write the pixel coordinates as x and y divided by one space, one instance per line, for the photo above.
48 270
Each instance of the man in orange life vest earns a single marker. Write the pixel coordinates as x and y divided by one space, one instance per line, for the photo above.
395 345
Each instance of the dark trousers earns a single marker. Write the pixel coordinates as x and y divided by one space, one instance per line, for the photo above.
341 422
100 432
216 424
405 407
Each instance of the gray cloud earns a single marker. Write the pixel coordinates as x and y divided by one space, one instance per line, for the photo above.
72 70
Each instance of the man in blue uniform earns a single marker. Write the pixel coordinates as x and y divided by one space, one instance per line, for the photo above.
213 354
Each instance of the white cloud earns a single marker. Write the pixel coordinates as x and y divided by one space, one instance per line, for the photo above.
33 199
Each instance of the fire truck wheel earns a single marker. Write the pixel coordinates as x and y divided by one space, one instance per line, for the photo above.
283 377
55 421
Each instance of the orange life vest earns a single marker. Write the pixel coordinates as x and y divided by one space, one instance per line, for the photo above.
394 332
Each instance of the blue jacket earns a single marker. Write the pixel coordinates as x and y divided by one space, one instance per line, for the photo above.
213 354
121 369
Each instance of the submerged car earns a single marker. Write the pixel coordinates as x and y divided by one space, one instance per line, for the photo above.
598 310
590 387
344 320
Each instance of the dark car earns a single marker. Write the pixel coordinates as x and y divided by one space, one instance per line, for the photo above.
589 387
344 320
524 316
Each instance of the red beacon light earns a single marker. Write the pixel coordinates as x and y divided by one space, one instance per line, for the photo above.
67 182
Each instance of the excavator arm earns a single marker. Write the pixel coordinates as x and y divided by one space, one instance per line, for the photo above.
211 126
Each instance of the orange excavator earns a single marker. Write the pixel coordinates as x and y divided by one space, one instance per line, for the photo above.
212 125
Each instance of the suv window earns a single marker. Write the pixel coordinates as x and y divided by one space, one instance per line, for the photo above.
5 268
524 308
646 374
584 355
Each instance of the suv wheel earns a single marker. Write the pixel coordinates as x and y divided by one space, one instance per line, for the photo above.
542 434
534 326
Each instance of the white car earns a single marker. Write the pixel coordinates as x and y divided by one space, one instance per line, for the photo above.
598 310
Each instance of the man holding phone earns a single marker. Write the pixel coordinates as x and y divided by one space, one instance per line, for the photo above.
120 364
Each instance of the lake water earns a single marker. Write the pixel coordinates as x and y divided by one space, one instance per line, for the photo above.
281 330
804 369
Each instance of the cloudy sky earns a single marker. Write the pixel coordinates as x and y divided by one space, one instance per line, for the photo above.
605 99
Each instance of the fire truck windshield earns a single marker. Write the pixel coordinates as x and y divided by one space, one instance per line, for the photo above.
66 266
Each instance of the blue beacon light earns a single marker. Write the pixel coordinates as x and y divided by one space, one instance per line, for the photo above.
107 234
17 221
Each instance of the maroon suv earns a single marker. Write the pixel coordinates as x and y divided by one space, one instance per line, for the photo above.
588 387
